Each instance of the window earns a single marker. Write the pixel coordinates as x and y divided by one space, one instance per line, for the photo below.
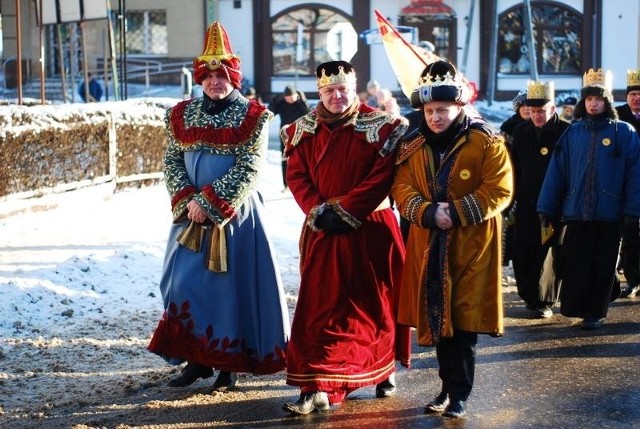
147 32
557 33
311 27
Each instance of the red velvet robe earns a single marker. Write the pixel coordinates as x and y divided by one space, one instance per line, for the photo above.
344 332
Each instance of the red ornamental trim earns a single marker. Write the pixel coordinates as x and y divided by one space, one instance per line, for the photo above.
210 134
224 207
182 194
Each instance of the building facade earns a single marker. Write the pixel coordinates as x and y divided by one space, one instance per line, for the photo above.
281 41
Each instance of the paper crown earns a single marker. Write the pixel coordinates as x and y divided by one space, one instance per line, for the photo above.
335 72
540 90
217 47
539 93
633 77
598 77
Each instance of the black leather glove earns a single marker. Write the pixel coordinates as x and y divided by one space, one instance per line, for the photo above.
331 223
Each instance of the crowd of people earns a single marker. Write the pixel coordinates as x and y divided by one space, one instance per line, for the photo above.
567 187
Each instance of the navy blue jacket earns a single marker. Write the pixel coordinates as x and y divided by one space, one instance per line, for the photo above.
594 173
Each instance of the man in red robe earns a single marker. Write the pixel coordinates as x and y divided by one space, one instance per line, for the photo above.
340 169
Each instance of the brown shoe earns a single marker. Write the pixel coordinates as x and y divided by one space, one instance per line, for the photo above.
191 373
226 381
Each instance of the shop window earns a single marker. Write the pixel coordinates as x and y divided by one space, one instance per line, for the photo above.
557 31
301 38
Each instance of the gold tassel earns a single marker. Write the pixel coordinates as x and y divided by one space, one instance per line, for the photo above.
191 237
217 259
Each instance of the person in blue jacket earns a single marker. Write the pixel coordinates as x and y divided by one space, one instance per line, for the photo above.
95 90
593 185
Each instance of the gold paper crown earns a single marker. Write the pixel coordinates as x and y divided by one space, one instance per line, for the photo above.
633 77
341 77
537 90
598 77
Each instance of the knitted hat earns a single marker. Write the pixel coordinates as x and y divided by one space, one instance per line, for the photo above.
519 99
570 101
439 81
217 55
334 72
289 90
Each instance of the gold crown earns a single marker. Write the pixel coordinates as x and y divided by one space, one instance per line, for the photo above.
598 77
436 80
537 90
633 77
333 79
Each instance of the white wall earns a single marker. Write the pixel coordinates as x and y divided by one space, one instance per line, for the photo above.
620 50
237 23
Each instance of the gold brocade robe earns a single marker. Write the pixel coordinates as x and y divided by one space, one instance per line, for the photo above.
476 174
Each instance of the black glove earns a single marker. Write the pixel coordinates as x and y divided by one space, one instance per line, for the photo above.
331 223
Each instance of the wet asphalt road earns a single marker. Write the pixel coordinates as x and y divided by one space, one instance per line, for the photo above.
541 374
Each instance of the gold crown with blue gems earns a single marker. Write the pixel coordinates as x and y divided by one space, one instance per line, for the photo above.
333 79
598 77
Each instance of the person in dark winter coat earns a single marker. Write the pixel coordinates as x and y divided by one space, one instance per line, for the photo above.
630 253
592 184
534 263
520 115
291 105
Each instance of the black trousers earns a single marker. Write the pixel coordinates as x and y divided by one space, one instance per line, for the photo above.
457 362
631 253
590 253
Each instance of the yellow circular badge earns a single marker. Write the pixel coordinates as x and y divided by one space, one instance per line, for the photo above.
606 142
544 151
465 174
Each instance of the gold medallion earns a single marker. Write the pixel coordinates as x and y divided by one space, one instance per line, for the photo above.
465 174
544 150
606 141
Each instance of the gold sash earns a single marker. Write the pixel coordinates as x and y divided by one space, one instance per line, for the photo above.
191 238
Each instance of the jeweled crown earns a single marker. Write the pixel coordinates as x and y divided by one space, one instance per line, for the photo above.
633 77
447 79
333 79
537 90
598 77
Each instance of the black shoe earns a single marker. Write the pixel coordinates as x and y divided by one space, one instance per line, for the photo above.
226 381
307 403
438 404
591 323
191 373
387 388
455 410
629 291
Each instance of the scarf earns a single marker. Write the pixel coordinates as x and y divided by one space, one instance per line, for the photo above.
336 119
